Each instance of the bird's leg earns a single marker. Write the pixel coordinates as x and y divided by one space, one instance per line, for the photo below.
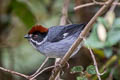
40 67
57 64
68 65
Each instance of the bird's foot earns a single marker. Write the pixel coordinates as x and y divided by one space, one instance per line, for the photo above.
57 64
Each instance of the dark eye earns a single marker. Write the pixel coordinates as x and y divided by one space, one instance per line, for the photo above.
35 36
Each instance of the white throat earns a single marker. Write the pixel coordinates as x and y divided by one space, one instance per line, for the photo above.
35 43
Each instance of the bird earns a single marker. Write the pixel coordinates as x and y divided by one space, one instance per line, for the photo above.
55 41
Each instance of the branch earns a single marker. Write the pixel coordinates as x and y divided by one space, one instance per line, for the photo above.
13 72
89 4
33 76
93 3
41 72
64 12
79 40
94 61
26 76
118 4
84 5
95 64
96 2
112 60
115 4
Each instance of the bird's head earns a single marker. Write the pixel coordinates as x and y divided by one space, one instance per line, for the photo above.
37 34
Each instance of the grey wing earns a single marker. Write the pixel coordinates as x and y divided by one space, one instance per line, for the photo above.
53 33
58 33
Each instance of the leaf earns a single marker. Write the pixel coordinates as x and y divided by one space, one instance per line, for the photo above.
91 69
116 23
102 21
101 31
99 52
93 40
23 12
113 34
77 69
111 39
108 52
81 78
116 74
110 16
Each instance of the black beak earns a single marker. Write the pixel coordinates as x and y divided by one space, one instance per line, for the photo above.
27 36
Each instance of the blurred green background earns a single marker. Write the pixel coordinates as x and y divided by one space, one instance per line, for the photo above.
18 16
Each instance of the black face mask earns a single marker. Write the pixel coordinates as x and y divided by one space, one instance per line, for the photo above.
37 36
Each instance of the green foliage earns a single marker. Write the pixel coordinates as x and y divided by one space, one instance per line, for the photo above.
77 69
112 36
23 12
81 78
113 33
25 58
116 74
102 21
91 69
108 52
93 40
